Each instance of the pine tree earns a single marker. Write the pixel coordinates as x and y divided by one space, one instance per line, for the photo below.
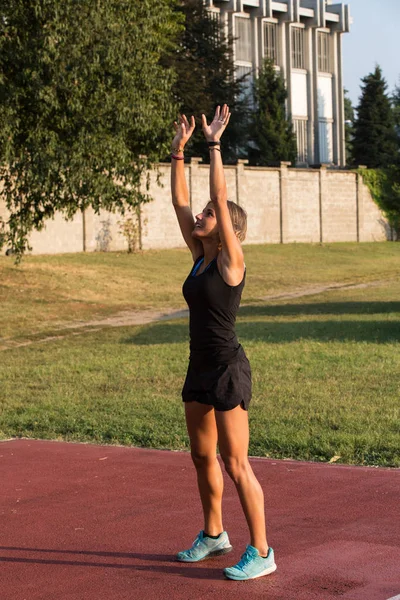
205 71
83 97
348 126
271 132
396 111
374 136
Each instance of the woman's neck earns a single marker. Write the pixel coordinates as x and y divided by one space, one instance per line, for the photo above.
211 251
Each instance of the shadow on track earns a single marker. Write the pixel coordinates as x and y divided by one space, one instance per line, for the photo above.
184 570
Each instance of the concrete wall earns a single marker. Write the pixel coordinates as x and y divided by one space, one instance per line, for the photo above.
159 225
59 235
339 207
259 194
283 205
301 206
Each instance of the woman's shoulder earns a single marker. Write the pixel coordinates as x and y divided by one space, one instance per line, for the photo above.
233 276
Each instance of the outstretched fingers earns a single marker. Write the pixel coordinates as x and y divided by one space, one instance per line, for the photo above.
192 124
179 126
183 129
224 114
185 121
217 113
189 126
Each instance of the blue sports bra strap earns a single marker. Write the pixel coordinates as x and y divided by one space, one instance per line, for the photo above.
197 265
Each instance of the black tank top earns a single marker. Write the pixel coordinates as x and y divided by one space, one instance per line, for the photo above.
213 306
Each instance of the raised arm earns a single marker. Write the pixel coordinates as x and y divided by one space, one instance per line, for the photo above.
231 259
179 189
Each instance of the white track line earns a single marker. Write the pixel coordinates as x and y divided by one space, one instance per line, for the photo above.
395 597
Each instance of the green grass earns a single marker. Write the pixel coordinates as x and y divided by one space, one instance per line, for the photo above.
45 291
326 368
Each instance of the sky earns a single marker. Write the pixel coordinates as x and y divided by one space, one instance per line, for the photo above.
374 38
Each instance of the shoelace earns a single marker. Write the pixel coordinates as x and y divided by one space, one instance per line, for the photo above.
244 561
196 543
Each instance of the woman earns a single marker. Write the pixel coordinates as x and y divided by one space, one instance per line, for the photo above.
217 388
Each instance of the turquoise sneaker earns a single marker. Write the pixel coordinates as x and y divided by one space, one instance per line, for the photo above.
252 565
205 547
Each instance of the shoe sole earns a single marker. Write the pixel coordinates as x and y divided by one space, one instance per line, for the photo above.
266 572
213 554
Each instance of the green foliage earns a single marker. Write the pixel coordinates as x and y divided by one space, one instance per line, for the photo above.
396 110
374 136
376 145
384 185
348 126
205 71
270 131
85 105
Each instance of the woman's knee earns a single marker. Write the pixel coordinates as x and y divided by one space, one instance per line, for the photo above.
203 460
236 467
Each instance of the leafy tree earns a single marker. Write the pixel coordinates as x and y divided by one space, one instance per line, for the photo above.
348 125
384 185
205 71
396 110
83 97
374 136
271 131
384 181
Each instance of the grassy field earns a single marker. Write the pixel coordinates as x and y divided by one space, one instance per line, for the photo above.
45 292
326 367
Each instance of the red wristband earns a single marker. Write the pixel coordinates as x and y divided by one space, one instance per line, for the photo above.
177 157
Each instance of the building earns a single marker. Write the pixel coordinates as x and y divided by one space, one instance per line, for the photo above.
303 38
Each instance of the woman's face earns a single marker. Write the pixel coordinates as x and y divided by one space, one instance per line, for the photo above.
206 223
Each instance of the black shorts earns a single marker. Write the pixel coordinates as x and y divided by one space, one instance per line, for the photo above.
223 386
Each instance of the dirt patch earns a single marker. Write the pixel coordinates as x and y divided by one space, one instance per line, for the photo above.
313 291
143 317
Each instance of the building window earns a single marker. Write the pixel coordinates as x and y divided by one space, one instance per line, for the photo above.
215 16
298 54
300 129
245 75
325 142
270 42
215 20
243 41
323 52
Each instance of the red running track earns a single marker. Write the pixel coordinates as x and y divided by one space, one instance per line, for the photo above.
83 522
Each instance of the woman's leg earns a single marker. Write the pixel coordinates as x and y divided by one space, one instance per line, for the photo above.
233 439
202 429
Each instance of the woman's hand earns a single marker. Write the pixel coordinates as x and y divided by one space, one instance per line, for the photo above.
216 128
183 130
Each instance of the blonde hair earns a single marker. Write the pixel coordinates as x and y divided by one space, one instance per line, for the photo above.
239 219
